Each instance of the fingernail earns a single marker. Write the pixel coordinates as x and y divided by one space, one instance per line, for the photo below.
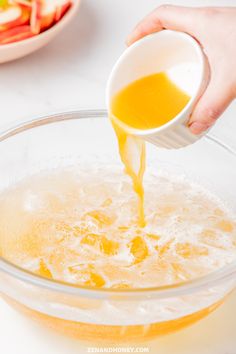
198 127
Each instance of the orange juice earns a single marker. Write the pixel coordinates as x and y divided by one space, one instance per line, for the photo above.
149 102
133 155
146 103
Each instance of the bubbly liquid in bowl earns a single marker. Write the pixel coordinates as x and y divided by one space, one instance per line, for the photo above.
70 225
80 226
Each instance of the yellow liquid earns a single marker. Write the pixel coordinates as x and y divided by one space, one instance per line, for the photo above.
108 333
149 102
76 226
70 224
133 155
146 103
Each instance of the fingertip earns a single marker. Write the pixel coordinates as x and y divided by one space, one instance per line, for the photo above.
129 40
133 37
198 127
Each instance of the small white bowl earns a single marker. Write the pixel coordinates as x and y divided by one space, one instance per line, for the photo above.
12 51
181 57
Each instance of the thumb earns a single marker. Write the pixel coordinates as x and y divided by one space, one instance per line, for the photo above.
211 105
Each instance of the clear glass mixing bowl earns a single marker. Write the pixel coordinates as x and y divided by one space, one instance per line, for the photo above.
115 315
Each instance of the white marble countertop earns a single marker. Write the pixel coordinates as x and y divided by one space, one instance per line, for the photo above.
70 73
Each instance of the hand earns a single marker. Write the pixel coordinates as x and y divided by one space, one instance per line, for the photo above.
215 29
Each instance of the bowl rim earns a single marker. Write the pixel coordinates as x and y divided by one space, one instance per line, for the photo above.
217 277
57 26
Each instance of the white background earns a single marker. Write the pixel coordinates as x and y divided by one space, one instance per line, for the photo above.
71 73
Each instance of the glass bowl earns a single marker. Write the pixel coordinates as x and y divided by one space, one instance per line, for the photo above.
111 314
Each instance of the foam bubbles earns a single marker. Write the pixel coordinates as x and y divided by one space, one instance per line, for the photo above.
81 226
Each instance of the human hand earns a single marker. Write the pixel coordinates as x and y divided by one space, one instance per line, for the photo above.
215 29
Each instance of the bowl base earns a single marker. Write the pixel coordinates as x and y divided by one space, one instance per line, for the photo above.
111 334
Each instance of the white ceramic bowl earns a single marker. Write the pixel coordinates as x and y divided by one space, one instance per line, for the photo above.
181 57
22 48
